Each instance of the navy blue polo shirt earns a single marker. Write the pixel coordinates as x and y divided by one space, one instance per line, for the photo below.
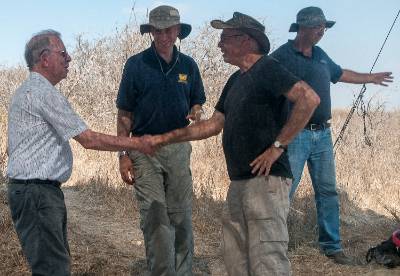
318 71
158 94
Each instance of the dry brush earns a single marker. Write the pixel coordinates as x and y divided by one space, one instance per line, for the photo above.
367 176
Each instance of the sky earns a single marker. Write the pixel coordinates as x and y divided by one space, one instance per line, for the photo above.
353 43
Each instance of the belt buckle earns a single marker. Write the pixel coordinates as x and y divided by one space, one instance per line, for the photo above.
313 127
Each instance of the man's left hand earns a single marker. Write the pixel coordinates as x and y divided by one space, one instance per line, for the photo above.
196 115
262 164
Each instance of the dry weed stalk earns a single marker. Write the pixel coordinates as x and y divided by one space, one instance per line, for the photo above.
365 174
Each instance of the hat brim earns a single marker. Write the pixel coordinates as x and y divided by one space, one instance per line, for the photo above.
295 27
219 24
185 29
259 36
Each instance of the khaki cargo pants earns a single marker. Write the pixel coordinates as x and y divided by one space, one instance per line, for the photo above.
255 232
163 188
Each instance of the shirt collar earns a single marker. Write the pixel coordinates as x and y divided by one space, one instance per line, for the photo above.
37 76
151 56
296 51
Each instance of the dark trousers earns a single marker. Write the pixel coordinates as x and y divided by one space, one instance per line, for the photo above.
40 219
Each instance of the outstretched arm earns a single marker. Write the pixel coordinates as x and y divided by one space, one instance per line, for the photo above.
305 101
198 131
98 141
381 78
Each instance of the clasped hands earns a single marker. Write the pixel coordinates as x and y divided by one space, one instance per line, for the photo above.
149 144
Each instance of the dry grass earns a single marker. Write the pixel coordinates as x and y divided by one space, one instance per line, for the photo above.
367 176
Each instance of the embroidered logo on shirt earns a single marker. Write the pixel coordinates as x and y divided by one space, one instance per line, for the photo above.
182 78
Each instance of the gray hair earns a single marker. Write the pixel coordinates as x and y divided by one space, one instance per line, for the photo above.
37 44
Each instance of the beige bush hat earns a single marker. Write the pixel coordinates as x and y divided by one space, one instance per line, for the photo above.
164 17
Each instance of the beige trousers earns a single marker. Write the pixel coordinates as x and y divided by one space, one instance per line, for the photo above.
255 232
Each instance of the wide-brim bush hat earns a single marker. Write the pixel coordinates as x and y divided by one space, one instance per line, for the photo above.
163 17
310 17
248 25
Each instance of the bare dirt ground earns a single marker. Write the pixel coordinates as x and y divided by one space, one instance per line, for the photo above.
116 242
104 240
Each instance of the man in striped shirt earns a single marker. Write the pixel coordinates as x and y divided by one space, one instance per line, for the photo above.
40 124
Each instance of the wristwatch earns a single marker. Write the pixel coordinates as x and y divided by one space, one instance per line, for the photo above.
279 145
123 153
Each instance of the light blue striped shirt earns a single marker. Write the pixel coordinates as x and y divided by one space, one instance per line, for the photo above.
40 123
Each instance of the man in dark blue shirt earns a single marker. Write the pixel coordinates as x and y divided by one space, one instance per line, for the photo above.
161 90
314 144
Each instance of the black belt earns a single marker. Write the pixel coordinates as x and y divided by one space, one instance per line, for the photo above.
320 126
35 181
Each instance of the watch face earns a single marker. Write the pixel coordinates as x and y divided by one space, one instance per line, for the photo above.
277 144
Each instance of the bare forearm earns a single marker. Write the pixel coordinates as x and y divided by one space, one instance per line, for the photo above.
198 131
354 77
380 78
124 123
300 115
305 102
99 141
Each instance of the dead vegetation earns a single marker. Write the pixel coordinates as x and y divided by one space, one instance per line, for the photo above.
367 176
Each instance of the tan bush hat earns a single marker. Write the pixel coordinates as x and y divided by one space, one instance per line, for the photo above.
164 17
247 25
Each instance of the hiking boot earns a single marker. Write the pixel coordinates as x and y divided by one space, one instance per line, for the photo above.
341 258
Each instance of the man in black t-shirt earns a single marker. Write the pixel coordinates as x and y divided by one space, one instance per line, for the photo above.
254 140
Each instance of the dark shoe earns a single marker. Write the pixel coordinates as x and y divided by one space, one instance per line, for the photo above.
341 258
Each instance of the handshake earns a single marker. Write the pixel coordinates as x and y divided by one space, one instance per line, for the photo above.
149 144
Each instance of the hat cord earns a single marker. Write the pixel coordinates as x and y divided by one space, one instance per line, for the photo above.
159 61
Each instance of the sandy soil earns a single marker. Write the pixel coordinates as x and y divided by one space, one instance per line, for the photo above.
114 245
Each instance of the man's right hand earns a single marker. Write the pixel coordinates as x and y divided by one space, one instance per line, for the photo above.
146 145
126 170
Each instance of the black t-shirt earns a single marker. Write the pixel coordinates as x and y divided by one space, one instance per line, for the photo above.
252 103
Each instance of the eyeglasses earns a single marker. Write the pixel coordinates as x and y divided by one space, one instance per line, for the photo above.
319 28
63 53
225 37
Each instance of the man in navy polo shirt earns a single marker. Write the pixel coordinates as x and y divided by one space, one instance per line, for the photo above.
161 90
314 144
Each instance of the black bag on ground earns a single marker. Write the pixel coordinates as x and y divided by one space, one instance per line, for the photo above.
387 253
